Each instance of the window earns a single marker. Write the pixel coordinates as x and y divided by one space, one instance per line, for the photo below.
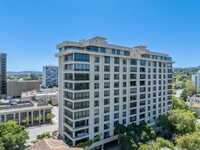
142 63
113 51
82 67
107 93
106 84
116 60
96 86
124 84
133 69
96 129
96 77
106 101
116 84
96 59
116 107
96 103
118 52
106 76
133 62
124 61
103 50
106 68
106 118
116 92
82 57
82 95
96 68
96 120
116 100
116 76
106 109
93 49
126 53
124 69
107 60
116 68
96 94
124 76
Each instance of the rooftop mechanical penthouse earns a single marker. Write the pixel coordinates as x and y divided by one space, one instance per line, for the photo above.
102 84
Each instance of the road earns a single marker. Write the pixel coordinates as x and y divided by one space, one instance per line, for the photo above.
178 93
37 130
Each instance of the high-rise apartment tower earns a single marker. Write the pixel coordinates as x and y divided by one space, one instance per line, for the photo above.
102 84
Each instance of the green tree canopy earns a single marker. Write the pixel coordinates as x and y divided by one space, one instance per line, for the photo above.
178 104
13 135
190 88
156 145
177 121
189 141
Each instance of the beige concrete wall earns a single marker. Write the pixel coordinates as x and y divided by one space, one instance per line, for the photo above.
15 88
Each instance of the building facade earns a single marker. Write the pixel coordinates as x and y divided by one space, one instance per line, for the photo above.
194 103
196 80
101 84
3 76
45 96
16 87
22 110
50 76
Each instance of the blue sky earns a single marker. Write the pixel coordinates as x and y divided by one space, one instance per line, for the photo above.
31 29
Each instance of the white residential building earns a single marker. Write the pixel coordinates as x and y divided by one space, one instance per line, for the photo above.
101 84
50 76
196 80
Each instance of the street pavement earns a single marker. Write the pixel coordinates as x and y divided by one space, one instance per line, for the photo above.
38 130
178 93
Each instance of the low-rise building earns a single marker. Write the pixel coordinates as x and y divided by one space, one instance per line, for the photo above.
194 103
16 87
51 144
20 111
46 96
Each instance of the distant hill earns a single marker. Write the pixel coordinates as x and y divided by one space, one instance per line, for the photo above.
23 73
188 71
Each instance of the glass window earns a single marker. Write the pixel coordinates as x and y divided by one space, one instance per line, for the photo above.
107 60
92 49
103 50
106 84
96 77
96 68
96 59
118 52
82 67
113 51
106 76
116 60
126 53
124 61
96 86
82 57
106 68
142 63
133 62
116 68
107 93
116 76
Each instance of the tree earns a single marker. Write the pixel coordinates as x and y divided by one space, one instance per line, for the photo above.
178 104
25 120
127 142
184 95
190 141
120 129
12 135
155 145
190 88
50 102
50 116
177 121
38 118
